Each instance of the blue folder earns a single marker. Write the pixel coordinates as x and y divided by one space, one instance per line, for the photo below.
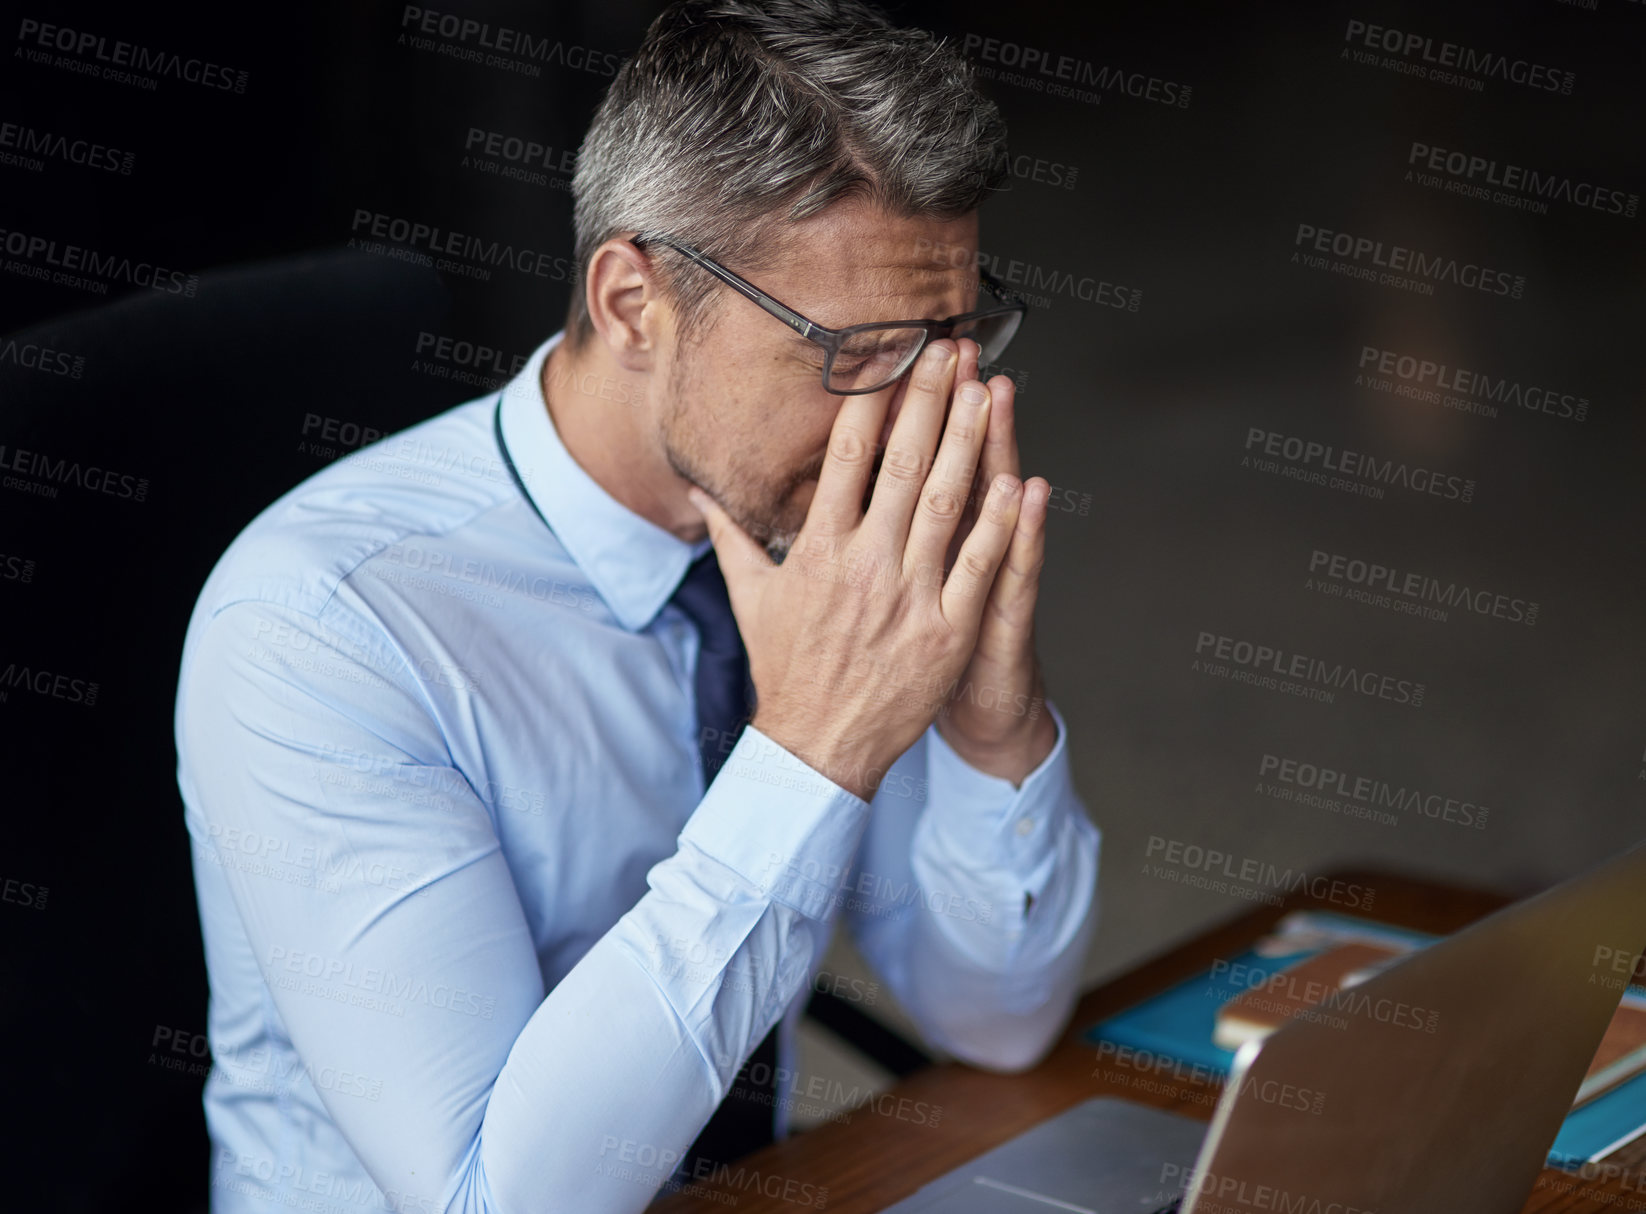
1179 1022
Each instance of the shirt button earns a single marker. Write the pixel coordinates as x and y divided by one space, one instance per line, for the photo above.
1025 825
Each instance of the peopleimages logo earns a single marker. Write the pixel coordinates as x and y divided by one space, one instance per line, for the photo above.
299 1187
1056 74
522 151
24 893
514 49
30 149
1232 1193
38 681
16 568
1263 664
1472 176
644 1162
1365 790
1025 277
1283 989
1038 169
1311 461
1386 580
271 855
368 986
1411 269
1192 857
35 357
1422 56
517 159
1438 383
451 252
1162 1074
84 52
40 252
872 893
465 362
51 473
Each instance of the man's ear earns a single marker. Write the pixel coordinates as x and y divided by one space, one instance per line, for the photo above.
624 304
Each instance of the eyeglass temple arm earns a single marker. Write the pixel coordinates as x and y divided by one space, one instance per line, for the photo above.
748 290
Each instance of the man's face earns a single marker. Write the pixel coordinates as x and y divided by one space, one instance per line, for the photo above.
746 416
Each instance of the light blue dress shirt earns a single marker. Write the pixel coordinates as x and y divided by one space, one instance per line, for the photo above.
478 938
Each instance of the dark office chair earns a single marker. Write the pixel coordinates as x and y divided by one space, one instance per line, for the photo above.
206 409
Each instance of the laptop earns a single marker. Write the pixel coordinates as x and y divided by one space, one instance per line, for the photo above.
1442 1091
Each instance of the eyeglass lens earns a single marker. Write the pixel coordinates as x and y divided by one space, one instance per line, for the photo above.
871 360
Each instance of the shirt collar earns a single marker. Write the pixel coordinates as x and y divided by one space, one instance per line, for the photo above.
632 563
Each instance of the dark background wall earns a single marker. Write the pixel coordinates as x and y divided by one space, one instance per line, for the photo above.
1188 180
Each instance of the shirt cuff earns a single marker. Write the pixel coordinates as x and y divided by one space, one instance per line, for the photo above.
780 824
983 815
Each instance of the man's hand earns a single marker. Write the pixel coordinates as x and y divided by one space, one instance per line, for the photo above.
860 638
996 719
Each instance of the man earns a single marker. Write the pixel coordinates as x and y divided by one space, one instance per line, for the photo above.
498 899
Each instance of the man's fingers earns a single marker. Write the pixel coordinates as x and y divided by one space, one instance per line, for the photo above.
970 581
1000 447
909 447
999 455
1009 612
969 350
741 558
943 500
966 369
837 505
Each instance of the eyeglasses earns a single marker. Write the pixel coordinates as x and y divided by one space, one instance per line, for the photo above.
869 357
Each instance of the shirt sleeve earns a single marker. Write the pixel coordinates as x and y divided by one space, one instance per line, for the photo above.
975 900
417 963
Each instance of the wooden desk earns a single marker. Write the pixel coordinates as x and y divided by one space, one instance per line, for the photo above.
880 1154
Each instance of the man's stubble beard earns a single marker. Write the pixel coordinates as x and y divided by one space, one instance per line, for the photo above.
739 496
736 497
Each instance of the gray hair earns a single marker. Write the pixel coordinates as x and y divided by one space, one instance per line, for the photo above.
736 117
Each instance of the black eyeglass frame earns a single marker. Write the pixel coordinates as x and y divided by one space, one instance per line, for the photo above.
832 340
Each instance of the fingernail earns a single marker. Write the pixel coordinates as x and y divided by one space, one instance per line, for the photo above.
974 394
938 356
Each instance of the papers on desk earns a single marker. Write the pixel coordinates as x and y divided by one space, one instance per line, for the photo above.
1201 1022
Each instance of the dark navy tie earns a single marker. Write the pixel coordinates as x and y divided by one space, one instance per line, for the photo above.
724 694
743 1122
